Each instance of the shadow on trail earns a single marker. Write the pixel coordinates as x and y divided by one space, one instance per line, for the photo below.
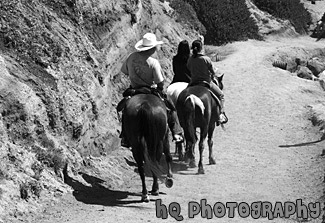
302 144
98 194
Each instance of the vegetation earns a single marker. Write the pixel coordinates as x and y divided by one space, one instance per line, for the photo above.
50 158
225 21
29 189
187 16
292 10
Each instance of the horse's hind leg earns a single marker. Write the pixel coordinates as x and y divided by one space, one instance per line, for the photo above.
189 148
189 155
210 144
168 157
139 160
155 185
179 150
201 149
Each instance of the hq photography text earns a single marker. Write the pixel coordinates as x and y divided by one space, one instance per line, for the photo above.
256 210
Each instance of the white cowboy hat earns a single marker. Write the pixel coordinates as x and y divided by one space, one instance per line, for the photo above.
148 41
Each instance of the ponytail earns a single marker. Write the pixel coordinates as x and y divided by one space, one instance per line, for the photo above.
196 47
195 52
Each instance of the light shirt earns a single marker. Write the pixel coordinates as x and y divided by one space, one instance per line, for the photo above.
142 70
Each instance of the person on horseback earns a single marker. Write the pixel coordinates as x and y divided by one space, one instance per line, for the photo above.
145 71
181 72
203 72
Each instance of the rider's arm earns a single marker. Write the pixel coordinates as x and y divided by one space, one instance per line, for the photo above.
157 71
211 68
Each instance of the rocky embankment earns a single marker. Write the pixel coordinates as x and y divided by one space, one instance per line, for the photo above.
60 83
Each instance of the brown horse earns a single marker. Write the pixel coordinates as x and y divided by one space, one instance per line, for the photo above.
173 91
196 108
145 122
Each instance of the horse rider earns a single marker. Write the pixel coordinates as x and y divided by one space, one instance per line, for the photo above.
203 72
145 71
181 72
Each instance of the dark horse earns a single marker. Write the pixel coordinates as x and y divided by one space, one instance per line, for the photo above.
145 122
196 108
173 91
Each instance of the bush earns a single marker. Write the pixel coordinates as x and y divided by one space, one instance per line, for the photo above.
187 16
292 10
50 158
30 189
225 21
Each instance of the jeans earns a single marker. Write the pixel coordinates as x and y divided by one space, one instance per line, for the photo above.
217 91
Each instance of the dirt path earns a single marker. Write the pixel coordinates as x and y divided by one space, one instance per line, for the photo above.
267 153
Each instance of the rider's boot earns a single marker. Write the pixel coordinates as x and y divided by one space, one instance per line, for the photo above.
222 117
174 126
124 141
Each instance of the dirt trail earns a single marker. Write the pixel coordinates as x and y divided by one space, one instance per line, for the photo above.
267 153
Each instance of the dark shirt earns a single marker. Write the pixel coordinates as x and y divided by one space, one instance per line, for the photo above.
181 72
201 68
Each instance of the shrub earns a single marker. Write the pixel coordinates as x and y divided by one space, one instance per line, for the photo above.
225 21
292 10
187 16
38 169
29 189
50 158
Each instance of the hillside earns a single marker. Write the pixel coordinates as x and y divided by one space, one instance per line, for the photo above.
60 83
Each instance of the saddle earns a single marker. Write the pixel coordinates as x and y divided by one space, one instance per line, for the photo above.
128 93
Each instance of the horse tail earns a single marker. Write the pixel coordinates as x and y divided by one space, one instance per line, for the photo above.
194 101
147 125
190 103
149 138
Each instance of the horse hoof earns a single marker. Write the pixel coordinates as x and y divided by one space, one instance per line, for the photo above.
192 164
212 161
201 171
145 198
169 182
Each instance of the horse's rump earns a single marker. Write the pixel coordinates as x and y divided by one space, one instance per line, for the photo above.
145 112
175 89
145 121
206 102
